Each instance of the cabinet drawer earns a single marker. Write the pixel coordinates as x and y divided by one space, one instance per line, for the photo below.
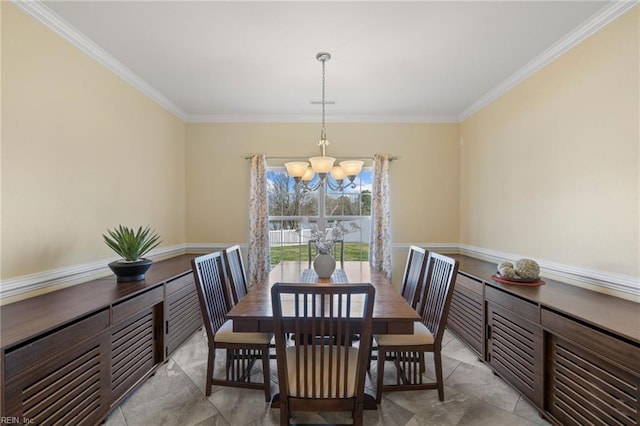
464 282
179 283
136 304
525 309
624 354
45 347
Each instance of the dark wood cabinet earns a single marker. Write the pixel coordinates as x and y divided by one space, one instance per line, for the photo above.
133 351
466 312
60 377
574 353
183 316
514 343
591 377
69 357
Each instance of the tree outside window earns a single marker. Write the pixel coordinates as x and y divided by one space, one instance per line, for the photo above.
293 211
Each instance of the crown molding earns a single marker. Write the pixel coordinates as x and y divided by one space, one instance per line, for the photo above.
45 15
586 29
226 118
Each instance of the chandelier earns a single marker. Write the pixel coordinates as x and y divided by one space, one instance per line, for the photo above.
338 178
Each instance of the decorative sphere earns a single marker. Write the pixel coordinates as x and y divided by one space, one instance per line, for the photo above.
507 272
527 268
505 265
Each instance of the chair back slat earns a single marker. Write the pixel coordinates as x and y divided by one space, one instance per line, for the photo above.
236 273
212 289
323 320
414 274
441 276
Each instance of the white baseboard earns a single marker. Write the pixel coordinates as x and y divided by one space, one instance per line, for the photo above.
619 285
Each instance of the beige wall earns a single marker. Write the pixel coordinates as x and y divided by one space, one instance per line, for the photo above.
424 178
551 169
81 151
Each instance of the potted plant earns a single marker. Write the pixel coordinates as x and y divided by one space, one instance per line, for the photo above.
131 245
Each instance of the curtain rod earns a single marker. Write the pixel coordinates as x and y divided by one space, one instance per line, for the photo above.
391 158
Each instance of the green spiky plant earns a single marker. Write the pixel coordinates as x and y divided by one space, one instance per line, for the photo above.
131 244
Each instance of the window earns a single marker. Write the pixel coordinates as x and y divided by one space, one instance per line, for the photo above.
292 212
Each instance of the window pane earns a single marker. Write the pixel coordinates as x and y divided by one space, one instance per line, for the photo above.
343 205
287 199
293 213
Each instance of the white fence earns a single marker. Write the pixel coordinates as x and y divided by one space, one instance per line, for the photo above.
285 237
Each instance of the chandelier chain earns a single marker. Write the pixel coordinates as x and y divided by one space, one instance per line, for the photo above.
323 135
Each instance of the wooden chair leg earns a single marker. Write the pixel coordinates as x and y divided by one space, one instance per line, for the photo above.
211 362
438 365
381 357
266 374
284 414
358 414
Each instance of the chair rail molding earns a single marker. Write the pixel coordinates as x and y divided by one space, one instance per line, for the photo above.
618 285
75 274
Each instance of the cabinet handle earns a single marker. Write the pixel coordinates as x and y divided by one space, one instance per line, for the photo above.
488 331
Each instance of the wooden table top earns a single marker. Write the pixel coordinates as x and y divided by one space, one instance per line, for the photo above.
391 313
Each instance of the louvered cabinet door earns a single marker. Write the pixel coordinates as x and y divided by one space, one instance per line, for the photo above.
592 377
514 348
182 312
466 315
135 342
67 389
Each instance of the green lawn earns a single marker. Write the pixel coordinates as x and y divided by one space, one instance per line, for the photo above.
352 251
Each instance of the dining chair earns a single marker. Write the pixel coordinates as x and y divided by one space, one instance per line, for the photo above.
338 243
242 349
322 371
235 272
412 280
414 275
409 349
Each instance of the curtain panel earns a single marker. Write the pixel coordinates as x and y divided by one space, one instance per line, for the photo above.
258 253
380 245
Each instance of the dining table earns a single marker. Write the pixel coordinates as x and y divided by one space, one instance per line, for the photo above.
391 313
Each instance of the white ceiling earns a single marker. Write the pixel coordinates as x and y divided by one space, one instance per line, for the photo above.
391 61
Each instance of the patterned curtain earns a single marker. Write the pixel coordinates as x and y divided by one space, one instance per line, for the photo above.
258 255
380 245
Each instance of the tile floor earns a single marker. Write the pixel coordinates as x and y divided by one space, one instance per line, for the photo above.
175 396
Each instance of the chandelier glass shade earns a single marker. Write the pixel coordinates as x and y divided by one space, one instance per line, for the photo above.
342 175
